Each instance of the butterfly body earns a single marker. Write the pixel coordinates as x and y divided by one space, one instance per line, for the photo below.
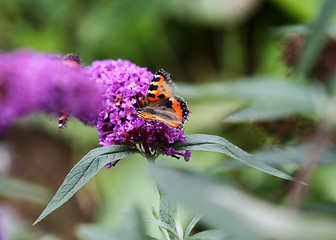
161 104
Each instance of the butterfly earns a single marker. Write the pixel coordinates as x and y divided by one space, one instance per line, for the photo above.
73 61
63 117
161 104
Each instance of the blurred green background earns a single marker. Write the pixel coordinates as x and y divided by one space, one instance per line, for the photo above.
201 43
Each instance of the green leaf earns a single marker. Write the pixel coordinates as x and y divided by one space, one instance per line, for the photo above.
300 29
261 112
168 210
290 30
212 235
211 143
164 232
247 89
16 189
131 227
225 207
279 157
287 98
162 225
151 238
201 195
90 232
83 171
268 98
155 215
192 224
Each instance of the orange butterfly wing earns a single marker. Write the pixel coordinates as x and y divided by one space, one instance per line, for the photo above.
161 104
160 88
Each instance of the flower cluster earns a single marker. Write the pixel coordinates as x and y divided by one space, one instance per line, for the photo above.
325 65
31 82
118 123
104 94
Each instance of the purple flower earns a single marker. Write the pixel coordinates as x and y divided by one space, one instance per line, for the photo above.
104 94
31 82
118 123
172 152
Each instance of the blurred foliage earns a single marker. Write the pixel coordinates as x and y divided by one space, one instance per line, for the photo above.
209 46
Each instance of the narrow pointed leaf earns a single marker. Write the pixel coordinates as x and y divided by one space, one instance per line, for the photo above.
162 230
168 210
212 235
132 226
12 188
83 171
151 238
260 112
225 207
89 232
204 197
192 224
211 143
162 225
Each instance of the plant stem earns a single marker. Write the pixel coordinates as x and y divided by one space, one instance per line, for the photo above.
298 191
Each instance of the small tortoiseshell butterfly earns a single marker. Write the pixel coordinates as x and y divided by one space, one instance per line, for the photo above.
74 61
161 104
